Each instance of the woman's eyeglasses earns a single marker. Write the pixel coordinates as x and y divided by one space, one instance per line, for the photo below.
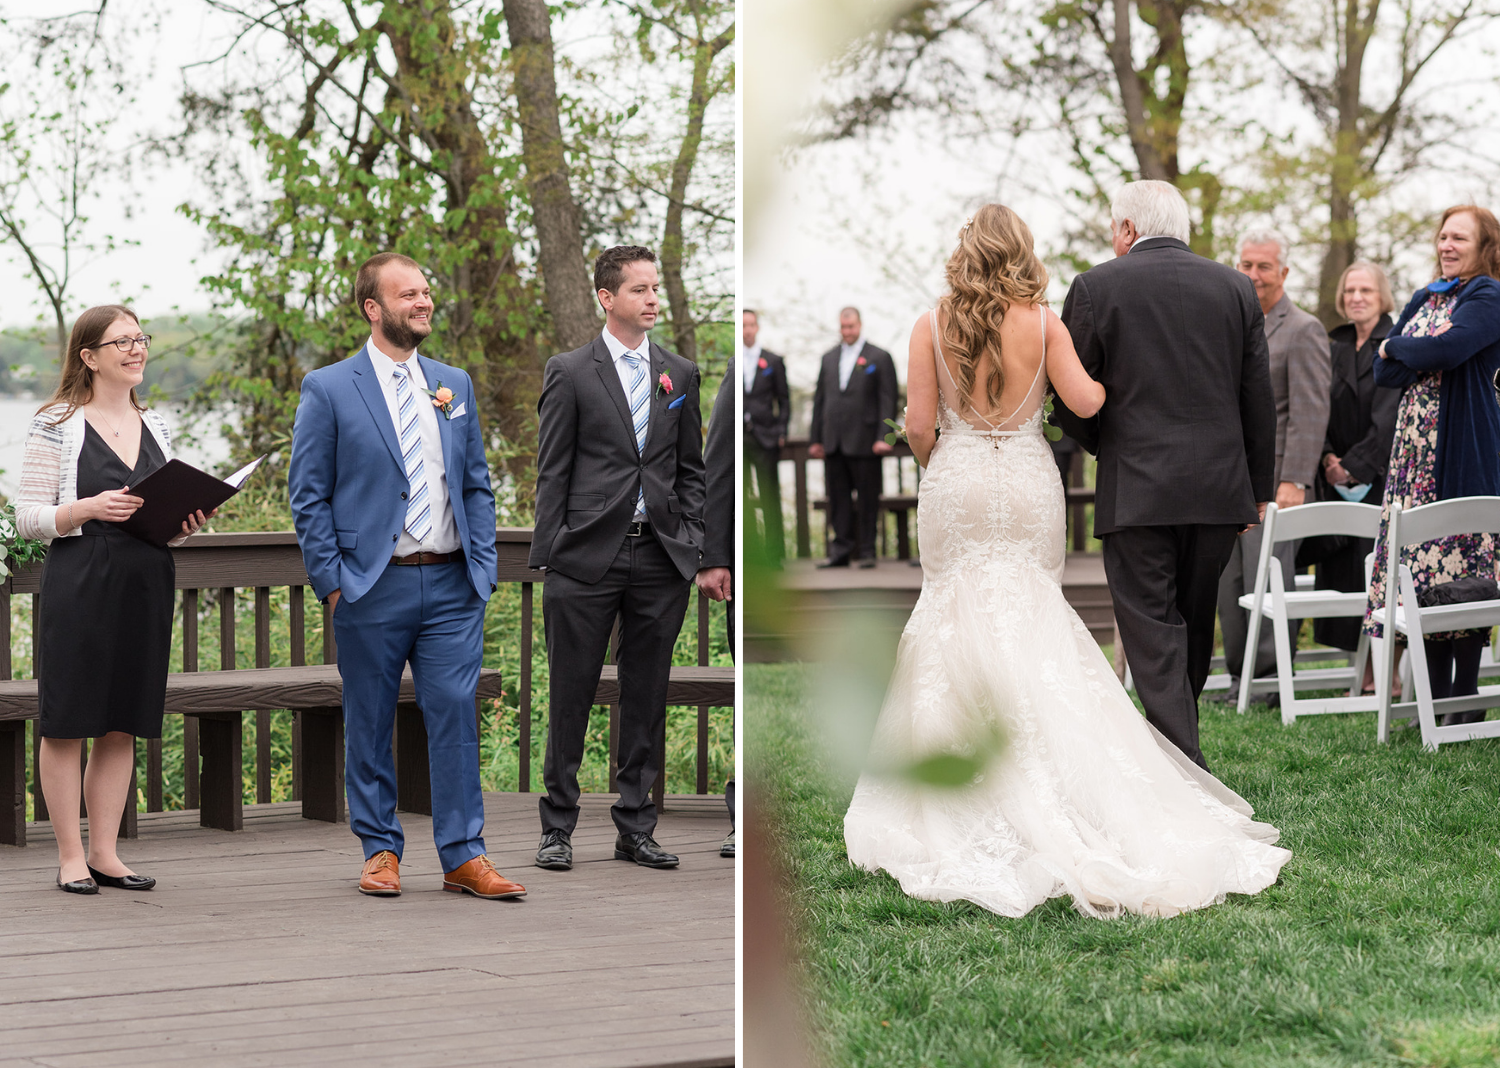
125 344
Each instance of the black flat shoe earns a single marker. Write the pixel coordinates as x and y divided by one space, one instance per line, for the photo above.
122 882
77 886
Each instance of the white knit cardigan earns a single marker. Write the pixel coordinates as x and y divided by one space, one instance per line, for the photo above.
49 470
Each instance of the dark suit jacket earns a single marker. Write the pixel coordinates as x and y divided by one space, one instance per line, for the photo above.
768 403
588 469
852 420
347 481
718 463
1187 434
1361 415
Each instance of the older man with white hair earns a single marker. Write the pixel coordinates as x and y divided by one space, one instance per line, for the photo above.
1185 441
1301 378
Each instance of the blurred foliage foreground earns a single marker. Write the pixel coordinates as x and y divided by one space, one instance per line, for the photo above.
499 738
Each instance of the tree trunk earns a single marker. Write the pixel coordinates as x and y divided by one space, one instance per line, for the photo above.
566 283
684 326
1346 165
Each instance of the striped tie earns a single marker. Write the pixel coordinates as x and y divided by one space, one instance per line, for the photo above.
418 508
640 411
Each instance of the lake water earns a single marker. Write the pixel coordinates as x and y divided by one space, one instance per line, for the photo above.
15 421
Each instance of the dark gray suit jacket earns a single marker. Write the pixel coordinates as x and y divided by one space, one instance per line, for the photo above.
1187 434
588 469
1301 372
768 404
718 462
852 420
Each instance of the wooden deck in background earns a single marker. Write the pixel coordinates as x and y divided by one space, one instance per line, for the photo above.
256 949
886 594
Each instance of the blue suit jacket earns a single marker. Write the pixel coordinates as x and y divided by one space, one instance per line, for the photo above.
348 483
1468 438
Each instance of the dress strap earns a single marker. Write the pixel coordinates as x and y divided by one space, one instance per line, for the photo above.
937 352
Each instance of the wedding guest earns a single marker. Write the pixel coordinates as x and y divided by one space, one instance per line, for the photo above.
619 531
1357 447
106 618
856 393
1443 354
1300 374
768 410
715 578
391 497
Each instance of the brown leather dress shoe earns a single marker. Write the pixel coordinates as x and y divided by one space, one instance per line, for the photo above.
381 875
479 877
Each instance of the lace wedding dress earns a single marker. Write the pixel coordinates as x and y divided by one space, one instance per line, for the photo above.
1086 798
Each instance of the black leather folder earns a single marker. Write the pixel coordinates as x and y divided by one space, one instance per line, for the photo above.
175 491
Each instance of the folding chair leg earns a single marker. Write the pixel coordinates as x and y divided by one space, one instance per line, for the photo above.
1416 651
1358 661
1285 665
1381 648
1247 665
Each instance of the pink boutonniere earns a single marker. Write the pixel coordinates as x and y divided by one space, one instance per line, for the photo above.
663 384
442 399
860 361
763 364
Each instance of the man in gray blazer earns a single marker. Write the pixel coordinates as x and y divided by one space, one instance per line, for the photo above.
619 532
1301 378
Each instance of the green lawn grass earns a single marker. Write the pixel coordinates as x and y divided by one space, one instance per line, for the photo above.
1380 945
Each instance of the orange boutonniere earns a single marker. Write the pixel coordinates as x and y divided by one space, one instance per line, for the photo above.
663 384
442 399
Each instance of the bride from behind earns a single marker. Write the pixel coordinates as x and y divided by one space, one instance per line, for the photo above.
1084 797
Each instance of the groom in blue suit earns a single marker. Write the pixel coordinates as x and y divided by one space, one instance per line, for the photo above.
391 498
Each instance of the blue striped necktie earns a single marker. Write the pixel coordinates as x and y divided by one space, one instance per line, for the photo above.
640 412
418 507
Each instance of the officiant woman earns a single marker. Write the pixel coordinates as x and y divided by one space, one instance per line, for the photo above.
1443 354
106 607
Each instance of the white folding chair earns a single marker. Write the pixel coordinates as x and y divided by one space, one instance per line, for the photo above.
1427 522
1272 600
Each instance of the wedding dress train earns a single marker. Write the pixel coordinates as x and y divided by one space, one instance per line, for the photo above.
1084 798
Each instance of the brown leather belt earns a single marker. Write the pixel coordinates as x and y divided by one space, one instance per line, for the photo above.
418 559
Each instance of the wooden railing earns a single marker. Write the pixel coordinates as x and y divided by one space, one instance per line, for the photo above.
258 563
1079 496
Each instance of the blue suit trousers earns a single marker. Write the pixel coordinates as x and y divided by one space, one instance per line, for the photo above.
431 617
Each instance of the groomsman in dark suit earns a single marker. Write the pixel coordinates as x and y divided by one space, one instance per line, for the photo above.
856 393
768 410
1186 440
715 579
619 532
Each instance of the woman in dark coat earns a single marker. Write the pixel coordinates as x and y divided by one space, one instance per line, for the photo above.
1357 447
1444 354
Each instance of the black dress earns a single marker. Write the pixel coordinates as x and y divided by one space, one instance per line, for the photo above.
1361 429
106 614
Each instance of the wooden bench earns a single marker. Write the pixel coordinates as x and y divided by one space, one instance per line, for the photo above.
213 703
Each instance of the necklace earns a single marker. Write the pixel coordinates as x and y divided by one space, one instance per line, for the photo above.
101 415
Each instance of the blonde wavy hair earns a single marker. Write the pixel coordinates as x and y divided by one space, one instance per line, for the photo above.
993 267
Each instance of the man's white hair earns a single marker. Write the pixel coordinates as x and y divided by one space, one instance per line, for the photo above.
1266 235
1156 208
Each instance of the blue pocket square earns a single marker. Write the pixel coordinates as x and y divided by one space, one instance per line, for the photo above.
870 370
677 403
767 373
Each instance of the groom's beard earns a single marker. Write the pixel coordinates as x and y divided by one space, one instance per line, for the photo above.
401 332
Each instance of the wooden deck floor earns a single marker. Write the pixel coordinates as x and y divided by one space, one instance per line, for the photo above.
256 949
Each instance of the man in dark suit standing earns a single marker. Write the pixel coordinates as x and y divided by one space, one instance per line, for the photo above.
619 531
856 393
715 579
1185 441
768 410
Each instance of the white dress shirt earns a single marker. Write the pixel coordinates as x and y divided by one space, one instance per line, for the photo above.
443 537
750 364
847 355
617 351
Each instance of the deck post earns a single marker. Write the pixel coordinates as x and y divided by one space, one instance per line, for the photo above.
13 782
323 764
221 792
413 772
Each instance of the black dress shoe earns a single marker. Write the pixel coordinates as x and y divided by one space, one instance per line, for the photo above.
844 562
77 886
866 564
726 847
642 848
556 851
123 882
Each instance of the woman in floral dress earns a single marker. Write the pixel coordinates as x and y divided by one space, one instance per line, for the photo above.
1445 352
